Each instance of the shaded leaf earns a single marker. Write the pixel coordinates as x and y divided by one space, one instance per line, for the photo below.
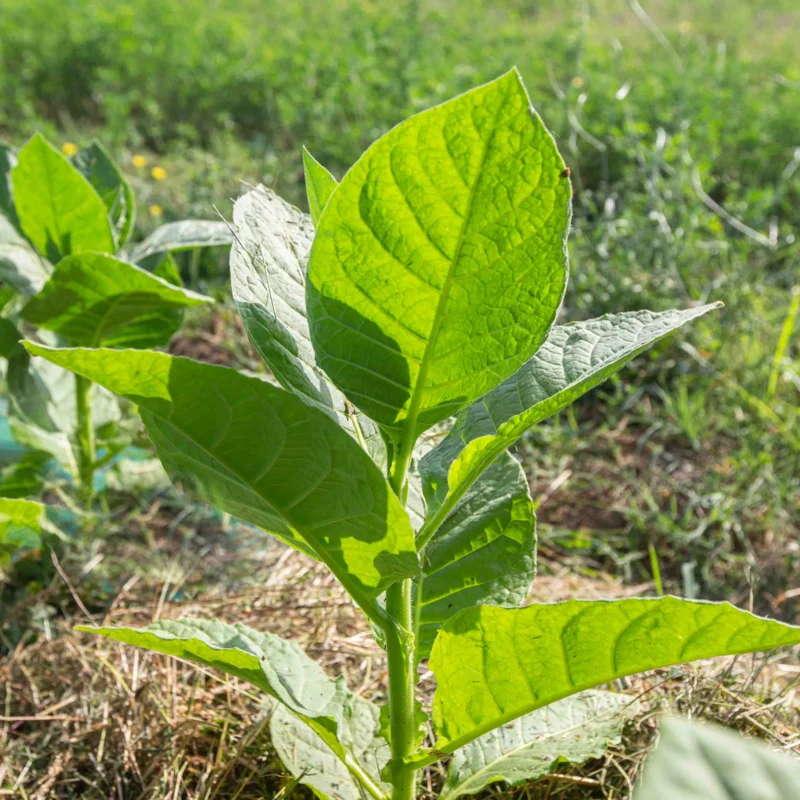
184 235
9 338
268 279
8 160
694 761
43 412
493 665
574 729
319 185
21 267
97 166
259 453
24 477
59 210
485 552
439 264
574 359
93 299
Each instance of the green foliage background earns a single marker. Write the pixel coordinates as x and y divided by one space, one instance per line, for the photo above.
661 109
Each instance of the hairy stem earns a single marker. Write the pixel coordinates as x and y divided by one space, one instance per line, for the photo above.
401 655
85 437
400 652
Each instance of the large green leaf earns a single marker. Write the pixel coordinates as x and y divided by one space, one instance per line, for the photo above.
43 412
493 665
183 235
21 267
574 729
58 209
21 524
485 552
97 166
312 761
694 761
319 185
439 264
259 453
93 299
268 278
574 359
275 666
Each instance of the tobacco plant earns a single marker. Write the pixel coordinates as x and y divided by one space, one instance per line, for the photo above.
424 288
64 250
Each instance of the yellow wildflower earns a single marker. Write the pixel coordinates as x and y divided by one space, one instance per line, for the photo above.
69 148
139 161
685 27
577 82
156 211
159 173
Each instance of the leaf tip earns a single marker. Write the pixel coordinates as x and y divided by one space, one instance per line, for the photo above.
33 348
87 629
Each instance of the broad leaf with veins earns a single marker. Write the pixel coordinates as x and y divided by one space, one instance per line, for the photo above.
574 729
42 413
94 300
97 166
493 665
186 234
439 264
574 359
699 761
21 267
257 452
346 725
59 210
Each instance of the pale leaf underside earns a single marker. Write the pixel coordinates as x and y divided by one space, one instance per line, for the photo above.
345 723
574 729
268 279
186 234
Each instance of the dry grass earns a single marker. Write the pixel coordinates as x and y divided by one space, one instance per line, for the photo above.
83 717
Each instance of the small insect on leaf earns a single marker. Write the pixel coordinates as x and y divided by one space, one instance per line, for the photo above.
566 173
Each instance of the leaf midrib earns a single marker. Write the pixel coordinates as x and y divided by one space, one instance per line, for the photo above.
343 577
410 427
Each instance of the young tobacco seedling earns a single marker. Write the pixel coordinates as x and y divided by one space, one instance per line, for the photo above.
429 289
63 227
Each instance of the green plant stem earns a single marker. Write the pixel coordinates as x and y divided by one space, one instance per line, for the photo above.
401 655
85 436
400 652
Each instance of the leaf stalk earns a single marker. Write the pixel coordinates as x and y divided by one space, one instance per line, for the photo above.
85 437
